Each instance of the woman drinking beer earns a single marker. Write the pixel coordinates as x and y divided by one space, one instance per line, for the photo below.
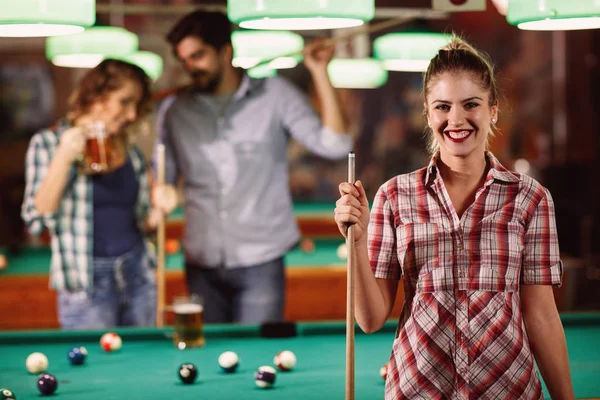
88 186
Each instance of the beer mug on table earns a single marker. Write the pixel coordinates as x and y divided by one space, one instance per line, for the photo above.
189 326
103 152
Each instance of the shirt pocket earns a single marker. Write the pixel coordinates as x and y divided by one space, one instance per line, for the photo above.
501 252
419 248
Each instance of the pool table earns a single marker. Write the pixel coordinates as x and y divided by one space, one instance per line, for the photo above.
316 286
146 367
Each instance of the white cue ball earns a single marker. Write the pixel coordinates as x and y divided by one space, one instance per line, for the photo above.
36 363
342 251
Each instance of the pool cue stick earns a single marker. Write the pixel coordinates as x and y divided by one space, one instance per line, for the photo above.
370 29
160 242
350 297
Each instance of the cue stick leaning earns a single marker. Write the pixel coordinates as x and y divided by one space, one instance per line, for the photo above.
160 242
350 297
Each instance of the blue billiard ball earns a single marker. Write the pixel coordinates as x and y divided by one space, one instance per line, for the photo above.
77 355
47 384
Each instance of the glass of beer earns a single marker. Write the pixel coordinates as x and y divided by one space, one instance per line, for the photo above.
103 152
189 328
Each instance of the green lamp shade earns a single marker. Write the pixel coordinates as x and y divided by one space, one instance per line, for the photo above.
88 48
261 71
554 15
31 18
300 14
363 73
408 51
252 47
151 63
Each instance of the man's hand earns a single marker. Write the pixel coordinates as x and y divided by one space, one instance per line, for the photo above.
318 54
164 198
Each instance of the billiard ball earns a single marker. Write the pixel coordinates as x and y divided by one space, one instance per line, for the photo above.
172 246
110 342
342 251
229 361
7 394
383 371
36 363
77 355
285 360
47 384
187 373
265 377
3 262
307 245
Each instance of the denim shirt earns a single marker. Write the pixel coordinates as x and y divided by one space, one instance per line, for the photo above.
233 161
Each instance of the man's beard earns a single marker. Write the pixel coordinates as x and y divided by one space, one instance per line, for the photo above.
202 85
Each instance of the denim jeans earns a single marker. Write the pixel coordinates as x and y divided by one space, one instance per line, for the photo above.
123 293
246 295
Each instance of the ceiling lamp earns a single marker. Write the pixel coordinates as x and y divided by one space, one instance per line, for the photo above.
151 63
261 71
554 15
363 73
34 18
300 15
88 48
252 47
408 51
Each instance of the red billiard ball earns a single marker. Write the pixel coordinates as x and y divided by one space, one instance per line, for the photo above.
307 245
172 246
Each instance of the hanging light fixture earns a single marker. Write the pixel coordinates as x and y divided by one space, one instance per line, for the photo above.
300 15
87 49
408 51
261 71
39 18
151 63
252 47
554 15
361 73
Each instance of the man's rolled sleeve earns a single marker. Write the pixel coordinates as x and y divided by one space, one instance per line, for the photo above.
304 124
541 255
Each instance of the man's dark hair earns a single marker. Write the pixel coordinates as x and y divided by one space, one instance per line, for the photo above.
212 27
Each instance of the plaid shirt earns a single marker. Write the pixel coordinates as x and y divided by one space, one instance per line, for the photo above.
71 226
461 333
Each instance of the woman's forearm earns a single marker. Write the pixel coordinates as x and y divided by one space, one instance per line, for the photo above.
50 192
547 339
374 298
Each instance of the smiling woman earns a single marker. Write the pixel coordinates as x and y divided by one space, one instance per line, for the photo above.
478 250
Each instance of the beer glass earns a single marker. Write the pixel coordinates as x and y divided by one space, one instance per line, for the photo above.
103 152
189 327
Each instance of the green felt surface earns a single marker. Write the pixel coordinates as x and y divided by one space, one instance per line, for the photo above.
146 367
300 210
36 260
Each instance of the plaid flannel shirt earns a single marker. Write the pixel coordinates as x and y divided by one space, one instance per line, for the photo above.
71 226
461 333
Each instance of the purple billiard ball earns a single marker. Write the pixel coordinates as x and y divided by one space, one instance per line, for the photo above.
47 384
265 377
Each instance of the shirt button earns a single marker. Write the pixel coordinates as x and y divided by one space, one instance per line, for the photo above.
459 245
225 190
223 214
